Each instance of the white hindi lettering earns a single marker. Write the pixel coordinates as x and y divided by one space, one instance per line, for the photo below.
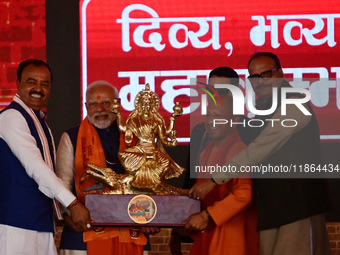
319 87
168 100
336 70
155 38
129 91
183 80
257 33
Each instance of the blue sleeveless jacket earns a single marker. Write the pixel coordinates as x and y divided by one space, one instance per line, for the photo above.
22 204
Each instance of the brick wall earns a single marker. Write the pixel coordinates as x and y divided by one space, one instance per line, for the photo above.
159 242
333 229
22 36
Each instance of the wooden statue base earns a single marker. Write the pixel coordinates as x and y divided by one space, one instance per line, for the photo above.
137 210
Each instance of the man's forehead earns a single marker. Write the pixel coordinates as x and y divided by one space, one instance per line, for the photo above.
262 60
261 64
99 98
33 71
101 89
219 80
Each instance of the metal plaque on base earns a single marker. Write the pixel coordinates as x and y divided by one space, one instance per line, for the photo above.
137 210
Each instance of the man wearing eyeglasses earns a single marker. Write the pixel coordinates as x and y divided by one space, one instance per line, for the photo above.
290 211
97 141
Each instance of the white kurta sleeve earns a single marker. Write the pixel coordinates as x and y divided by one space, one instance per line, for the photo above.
65 161
16 133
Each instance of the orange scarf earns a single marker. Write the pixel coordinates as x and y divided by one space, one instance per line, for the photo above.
89 150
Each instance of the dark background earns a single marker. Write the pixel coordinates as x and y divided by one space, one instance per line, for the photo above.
63 56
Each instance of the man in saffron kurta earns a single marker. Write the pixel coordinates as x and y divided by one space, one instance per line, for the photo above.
228 220
96 141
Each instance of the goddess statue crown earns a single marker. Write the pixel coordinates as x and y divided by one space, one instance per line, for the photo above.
147 94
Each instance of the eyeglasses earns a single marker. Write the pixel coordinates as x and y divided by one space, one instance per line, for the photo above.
264 75
94 104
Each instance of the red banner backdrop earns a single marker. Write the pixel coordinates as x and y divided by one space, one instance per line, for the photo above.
168 45
22 36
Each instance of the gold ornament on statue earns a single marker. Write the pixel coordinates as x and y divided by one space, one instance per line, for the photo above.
146 163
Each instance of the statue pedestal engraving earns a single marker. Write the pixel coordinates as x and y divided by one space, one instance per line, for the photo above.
140 210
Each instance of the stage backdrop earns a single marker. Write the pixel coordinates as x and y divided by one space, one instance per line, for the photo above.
169 45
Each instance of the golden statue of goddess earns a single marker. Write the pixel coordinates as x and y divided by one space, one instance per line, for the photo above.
147 164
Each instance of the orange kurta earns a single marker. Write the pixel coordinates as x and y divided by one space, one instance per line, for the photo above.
230 205
111 240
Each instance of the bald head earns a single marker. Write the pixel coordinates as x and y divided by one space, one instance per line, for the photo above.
99 97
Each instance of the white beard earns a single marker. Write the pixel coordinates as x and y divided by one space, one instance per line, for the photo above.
102 124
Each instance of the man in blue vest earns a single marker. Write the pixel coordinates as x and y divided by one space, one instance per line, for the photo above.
290 210
28 185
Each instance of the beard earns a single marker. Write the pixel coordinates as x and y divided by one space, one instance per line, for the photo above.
102 124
